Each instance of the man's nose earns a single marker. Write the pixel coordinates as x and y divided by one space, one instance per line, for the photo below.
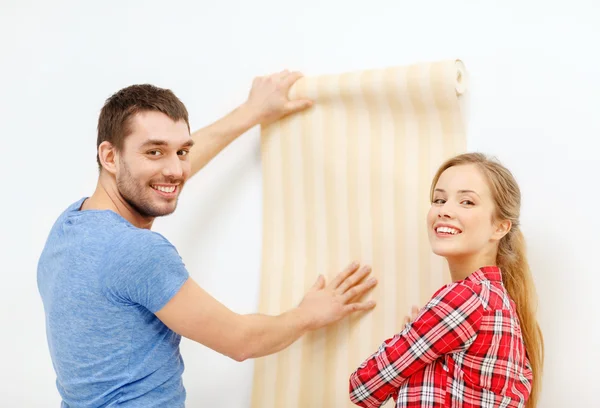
173 167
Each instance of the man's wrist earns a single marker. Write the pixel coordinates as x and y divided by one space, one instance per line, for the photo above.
301 319
248 116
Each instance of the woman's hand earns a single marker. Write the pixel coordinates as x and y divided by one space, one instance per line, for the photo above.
414 311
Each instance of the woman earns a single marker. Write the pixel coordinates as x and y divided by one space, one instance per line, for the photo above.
477 342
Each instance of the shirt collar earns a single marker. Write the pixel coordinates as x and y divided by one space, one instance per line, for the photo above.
490 273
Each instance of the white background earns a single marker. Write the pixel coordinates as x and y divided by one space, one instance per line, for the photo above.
534 83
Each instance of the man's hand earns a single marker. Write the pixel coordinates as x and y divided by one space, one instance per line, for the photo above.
268 99
267 102
326 304
195 314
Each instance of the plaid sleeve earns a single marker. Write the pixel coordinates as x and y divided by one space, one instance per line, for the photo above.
448 323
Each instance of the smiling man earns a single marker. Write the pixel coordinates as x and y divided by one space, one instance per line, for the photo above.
118 297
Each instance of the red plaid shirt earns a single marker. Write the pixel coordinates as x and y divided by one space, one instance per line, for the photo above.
464 349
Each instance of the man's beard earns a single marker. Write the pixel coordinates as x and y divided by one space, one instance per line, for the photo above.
137 195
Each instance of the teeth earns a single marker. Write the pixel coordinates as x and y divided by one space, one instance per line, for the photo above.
164 189
448 230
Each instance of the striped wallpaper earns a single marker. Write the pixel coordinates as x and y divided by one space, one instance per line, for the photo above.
349 180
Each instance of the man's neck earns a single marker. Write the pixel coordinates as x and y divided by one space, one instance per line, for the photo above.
107 197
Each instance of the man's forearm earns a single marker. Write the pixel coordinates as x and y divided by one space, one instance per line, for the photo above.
263 335
212 139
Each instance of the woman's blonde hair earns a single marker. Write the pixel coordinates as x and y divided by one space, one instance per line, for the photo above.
511 257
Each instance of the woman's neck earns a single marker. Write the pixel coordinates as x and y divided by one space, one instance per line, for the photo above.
461 268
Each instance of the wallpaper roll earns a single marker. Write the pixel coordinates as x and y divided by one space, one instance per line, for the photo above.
349 180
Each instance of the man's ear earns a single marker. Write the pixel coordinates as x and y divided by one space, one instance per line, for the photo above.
108 157
502 228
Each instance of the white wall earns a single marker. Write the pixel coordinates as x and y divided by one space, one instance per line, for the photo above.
535 83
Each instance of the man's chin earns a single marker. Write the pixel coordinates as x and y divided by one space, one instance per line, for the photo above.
156 210
163 211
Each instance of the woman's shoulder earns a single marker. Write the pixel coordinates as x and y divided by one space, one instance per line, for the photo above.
454 293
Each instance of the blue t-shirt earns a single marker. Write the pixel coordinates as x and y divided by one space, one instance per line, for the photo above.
101 280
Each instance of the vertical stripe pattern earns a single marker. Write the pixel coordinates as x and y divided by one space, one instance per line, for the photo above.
349 180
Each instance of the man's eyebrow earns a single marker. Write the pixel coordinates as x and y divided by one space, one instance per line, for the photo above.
158 142
154 142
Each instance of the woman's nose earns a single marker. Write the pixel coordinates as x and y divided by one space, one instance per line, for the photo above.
445 212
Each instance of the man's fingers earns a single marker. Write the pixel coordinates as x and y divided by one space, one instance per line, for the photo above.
297 105
361 306
290 78
319 283
353 280
358 290
349 270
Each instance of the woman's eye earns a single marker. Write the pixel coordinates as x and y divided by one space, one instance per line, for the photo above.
467 202
438 201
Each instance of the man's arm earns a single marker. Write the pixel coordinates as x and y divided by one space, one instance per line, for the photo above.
194 314
267 102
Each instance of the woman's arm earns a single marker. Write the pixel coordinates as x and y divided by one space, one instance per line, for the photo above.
449 322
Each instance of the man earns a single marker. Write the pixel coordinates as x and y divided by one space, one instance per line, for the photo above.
118 297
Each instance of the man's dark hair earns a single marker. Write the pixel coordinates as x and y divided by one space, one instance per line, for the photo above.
114 123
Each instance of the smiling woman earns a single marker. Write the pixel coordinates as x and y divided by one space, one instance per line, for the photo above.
460 221
477 341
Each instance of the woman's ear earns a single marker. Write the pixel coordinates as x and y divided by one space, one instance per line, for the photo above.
502 228
107 154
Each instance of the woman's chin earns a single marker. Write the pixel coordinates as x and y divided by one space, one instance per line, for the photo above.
445 252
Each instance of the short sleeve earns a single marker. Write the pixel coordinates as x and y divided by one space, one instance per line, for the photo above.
145 269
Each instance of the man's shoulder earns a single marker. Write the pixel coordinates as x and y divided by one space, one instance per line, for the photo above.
138 241
97 229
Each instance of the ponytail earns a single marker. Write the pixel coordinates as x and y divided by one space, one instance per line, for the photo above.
519 284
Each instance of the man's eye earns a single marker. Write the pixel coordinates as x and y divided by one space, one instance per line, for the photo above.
183 152
153 152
